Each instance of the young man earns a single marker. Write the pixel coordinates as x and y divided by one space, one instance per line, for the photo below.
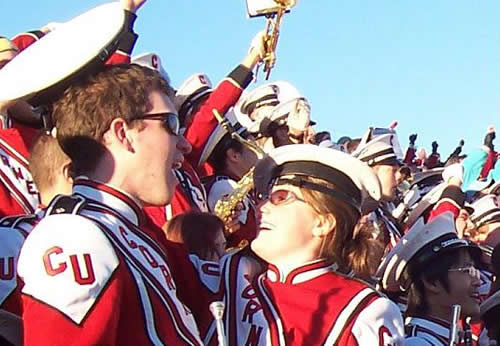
231 160
438 270
94 268
20 124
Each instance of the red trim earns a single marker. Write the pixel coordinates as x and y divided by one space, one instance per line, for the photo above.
120 195
306 268
17 194
174 313
14 153
264 298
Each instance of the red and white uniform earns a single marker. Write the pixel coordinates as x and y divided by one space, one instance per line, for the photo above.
307 305
224 96
219 186
18 193
426 331
189 195
99 275
13 232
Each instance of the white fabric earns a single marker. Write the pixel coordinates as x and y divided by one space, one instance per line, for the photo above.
11 241
50 246
379 320
455 170
61 52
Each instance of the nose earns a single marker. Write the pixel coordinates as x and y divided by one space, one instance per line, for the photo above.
183 145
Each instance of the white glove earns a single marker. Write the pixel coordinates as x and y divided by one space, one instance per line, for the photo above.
299 115
259 44
453 171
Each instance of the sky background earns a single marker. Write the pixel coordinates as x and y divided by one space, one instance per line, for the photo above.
431 65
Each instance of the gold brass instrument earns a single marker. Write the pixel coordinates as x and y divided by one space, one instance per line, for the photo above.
225 206
274 17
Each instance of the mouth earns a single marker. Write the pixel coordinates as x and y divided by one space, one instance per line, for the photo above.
265 226
178 162
476 296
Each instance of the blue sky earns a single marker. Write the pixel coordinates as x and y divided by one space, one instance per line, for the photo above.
432 65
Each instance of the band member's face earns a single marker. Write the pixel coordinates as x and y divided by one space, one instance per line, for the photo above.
158 152
463 287
285 224
387 177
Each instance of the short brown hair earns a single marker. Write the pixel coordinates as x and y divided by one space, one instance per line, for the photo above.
86 109
46 158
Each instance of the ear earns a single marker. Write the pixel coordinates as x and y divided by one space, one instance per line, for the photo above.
325 224
66 172
233 155
119 133
433 287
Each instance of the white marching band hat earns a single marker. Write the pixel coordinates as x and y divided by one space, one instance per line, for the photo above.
486 210
272 95
354 181
191 91
218 134
379 146
77 47
418 247
152 61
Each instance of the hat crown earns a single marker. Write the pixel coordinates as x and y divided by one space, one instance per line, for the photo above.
193 88
377 145
359 173
152 61
486 208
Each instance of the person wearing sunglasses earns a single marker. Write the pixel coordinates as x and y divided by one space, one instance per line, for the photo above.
95 265
436 270
288 286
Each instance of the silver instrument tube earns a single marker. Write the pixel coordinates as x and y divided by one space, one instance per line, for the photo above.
455 318
217 310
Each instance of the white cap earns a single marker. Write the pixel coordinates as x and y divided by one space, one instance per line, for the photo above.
486 210
152 61
270 94
354 180
192 90
378 146
421 244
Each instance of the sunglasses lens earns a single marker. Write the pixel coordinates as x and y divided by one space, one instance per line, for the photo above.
279 196
172 123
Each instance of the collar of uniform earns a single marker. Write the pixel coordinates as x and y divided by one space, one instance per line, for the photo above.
433 325
111 197
302 273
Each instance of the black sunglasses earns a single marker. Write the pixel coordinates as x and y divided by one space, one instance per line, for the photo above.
170 121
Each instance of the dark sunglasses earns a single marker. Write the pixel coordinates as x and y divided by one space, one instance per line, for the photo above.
170 121
281 197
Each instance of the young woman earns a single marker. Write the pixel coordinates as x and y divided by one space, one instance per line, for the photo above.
287 288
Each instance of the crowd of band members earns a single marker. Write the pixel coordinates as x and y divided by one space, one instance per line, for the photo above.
109 235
